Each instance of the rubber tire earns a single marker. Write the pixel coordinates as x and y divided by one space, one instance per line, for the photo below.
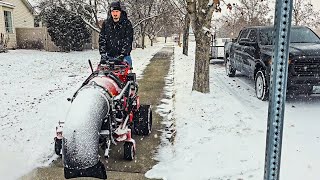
128 151
57 146
265 90
230 71
142 121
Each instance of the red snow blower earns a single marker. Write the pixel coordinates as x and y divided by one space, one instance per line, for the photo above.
105 110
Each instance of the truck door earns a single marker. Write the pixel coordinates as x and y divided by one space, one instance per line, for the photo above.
238 51
249 53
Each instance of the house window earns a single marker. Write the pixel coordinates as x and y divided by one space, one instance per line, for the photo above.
8 21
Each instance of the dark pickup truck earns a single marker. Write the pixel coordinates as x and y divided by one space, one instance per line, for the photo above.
251 54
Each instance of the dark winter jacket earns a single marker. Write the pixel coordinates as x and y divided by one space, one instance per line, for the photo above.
116 37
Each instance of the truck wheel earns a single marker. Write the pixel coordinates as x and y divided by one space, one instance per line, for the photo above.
129 151
261 86
142 121
57 146
231 72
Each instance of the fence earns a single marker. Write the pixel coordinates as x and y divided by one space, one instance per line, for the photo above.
35 38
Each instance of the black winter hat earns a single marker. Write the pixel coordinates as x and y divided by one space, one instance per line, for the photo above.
115 6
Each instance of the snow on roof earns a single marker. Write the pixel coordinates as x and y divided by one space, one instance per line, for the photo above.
33 2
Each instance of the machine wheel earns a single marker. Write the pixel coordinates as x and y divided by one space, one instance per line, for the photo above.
230 71
57 146
142 123
129 151
261 86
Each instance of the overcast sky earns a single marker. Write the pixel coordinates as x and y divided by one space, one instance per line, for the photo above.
316 4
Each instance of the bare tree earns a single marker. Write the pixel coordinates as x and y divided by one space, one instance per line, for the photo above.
304 14
242 14
170 21
88 10
153 30
142 11
186 35
200 12
183 22
155 25
248 12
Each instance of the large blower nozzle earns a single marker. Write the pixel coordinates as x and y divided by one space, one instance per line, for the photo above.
80 147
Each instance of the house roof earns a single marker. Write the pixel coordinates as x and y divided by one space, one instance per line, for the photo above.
6 4
33 2
29 6
25 2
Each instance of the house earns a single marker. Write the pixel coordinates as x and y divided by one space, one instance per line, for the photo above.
15 14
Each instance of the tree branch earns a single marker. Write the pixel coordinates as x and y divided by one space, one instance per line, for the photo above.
174 4
144 19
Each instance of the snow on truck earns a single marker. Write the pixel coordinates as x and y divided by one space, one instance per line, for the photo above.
251 54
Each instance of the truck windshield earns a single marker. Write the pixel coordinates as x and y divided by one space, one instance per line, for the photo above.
298 35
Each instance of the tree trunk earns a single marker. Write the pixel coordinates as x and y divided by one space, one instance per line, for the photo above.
143 35
186 34
201 69
179 39
151 38
165 36
201 23
142 41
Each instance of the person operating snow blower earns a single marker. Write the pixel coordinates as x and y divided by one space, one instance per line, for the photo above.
116 36
106 110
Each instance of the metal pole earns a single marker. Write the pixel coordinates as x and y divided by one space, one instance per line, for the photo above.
278 87
215 49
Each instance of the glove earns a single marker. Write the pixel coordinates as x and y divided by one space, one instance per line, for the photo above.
103 59
121 57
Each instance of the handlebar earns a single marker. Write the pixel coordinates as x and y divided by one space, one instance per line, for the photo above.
113 64
114 60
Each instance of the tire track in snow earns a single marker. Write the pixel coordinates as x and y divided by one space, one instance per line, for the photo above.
240 89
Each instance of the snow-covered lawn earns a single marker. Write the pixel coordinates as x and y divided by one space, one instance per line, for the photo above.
221 135
34 86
